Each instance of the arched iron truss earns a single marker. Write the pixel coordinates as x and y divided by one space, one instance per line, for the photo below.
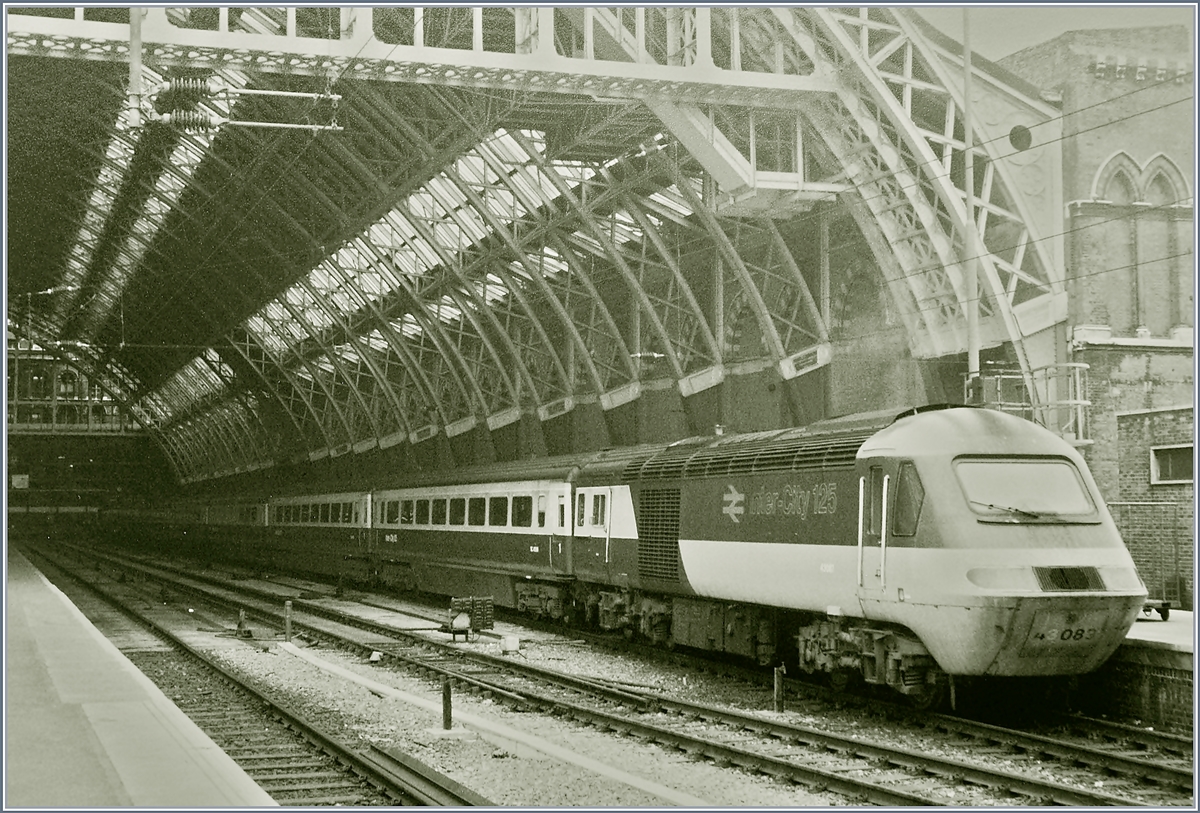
605 202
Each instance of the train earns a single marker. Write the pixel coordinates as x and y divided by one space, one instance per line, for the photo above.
898 548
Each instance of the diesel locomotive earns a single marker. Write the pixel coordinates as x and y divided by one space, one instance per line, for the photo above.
897 550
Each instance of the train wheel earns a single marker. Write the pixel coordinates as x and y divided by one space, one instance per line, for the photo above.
929 697
844 679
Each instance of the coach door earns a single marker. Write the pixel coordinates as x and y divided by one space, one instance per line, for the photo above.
872 529
592 510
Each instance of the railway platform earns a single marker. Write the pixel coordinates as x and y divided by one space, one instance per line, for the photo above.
85 728
1149 679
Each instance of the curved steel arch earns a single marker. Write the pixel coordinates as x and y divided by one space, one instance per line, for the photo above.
902 168
886 73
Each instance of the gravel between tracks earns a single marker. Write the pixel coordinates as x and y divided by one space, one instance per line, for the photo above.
495 768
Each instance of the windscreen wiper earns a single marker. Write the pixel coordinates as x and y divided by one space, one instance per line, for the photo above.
1009 509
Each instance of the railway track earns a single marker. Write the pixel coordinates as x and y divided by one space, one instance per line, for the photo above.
844 763
290 758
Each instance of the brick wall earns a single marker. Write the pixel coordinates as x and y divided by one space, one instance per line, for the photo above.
1128 157
1125 379
1141 687
1160 537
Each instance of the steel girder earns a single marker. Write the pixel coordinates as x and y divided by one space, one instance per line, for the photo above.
534 53
895 127
511 318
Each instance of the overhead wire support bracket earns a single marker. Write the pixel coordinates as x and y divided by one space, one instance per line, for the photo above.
184 94
214 87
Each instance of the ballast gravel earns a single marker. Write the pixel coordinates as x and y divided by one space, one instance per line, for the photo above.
502 770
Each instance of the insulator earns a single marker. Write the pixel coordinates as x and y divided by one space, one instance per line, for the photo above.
184 92
192 120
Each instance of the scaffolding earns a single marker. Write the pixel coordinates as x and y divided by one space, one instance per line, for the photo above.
1053 396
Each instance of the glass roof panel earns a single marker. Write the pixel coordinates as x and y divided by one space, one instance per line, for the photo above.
398 250
376 341
408 326
190 385
447 309
184 159
672 199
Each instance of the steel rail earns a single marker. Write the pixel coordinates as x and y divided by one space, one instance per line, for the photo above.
403 779
1004 780
1122 731
1066 751
1010 782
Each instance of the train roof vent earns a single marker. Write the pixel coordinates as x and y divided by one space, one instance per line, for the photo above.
791 455
1062 579
665 466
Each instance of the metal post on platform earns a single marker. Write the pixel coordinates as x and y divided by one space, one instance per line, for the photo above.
447 721
287 621
779 671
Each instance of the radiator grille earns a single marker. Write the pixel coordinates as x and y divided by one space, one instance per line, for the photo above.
1068 578
658 534
752 456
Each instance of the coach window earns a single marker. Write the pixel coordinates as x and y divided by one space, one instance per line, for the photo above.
304 512
522 512
458 511
541 510
406 512
278 512
562 511
599 503
324 512
392 516
910 495
498 511
439 512
422 512
476 511
581 511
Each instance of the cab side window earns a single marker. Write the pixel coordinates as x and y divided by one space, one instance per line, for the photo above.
910 496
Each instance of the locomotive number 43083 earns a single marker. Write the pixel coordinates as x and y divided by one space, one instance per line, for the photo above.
1059 630
1069 634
